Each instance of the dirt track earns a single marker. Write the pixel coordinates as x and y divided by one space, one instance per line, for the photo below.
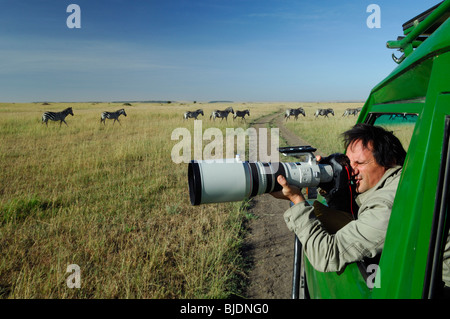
270 245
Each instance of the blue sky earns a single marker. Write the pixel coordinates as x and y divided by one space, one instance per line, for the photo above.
203 50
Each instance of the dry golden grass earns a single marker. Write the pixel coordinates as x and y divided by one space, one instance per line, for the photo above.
109 199
324 133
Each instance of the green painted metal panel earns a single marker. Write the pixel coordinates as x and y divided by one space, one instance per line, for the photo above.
419 85
349 284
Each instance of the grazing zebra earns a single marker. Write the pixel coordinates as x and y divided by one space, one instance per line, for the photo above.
194 114
221 114
403 116
112 116
294 112
353 112
324 112
241 114
57 116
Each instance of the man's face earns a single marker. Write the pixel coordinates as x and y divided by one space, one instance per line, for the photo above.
366 170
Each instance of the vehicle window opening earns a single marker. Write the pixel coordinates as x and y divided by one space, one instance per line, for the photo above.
437 280
401 124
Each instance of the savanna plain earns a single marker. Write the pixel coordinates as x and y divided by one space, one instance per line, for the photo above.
109 199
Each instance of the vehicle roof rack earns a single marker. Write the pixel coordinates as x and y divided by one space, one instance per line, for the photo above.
419 28
419 18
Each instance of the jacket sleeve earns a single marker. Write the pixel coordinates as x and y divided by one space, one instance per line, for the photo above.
360 238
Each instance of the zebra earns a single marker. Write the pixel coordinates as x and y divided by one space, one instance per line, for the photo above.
221 114
350 111
194 114
324 112
241 114
294 112
112 116
403 116
57 116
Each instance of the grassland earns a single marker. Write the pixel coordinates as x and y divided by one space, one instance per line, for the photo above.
322 132
110 199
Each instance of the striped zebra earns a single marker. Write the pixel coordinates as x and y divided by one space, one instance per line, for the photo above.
221 114
57 116
350 111
323 112
241 114
294 112
193 114
112 116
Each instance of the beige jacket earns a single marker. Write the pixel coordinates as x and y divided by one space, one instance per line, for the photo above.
363 237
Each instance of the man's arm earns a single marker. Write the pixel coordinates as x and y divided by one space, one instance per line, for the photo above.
360 238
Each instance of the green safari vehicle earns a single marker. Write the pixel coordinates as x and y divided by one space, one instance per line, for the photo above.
414 102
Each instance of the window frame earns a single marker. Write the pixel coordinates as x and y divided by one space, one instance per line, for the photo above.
433 284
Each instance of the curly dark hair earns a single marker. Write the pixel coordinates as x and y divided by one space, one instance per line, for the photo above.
387 148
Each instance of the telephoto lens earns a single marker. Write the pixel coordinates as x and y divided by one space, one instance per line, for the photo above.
229 180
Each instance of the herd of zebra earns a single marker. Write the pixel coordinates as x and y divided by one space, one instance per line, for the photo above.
320 112
218 114
221 114
289 112
61 116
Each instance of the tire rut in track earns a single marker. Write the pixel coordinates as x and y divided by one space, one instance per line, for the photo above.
269 244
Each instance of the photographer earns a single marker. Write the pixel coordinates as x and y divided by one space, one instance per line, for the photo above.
376 157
